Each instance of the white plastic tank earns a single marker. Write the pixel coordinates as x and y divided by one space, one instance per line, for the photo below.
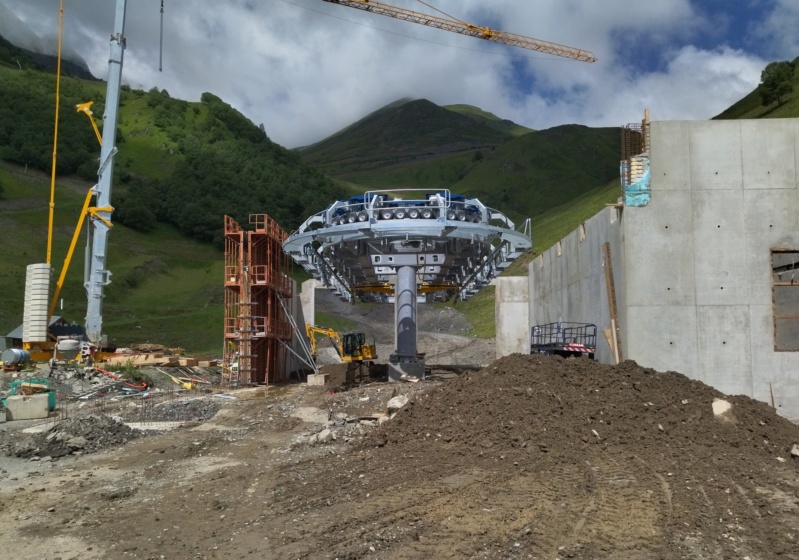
37 299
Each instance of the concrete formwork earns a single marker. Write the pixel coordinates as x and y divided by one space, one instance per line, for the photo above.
693 269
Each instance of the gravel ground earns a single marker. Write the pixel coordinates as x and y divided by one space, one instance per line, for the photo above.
530 457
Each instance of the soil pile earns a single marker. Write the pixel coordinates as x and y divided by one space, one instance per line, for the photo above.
569 407
544 457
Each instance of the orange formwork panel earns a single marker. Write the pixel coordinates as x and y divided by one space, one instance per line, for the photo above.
256 328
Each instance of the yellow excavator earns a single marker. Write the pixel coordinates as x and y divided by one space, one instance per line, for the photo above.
351 347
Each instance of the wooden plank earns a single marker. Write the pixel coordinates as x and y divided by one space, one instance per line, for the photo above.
612 307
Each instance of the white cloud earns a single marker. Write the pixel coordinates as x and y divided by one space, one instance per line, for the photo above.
780 26
307 68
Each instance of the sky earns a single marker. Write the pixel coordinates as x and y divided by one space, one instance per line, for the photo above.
305 69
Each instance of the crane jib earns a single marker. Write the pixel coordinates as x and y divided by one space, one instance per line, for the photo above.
456 26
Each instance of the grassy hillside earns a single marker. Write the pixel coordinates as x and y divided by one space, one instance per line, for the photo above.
489 119
179 163
165 287
401 134
548 229
545 169
751 107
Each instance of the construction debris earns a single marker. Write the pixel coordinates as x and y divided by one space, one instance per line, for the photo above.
86 434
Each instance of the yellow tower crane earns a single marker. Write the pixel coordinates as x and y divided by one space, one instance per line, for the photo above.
457 26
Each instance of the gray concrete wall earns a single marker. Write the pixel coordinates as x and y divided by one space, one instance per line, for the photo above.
723 194
512 299
567 283
695 289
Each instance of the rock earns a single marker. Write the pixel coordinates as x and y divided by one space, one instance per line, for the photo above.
76 442
324 436
795 451
721 407
396 403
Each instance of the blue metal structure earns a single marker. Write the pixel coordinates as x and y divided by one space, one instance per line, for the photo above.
405 246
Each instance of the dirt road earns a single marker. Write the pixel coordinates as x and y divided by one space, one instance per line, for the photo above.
442 332
531 457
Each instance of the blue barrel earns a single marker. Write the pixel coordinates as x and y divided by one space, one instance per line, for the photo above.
14 356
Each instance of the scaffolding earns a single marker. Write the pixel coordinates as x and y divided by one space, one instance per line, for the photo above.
635 140
258 331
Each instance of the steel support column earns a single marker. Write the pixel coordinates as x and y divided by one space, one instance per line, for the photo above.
405 313
406 359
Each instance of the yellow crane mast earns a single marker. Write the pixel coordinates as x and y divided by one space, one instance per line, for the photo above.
457 26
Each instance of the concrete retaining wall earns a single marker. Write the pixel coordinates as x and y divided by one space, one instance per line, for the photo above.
694 281
567 283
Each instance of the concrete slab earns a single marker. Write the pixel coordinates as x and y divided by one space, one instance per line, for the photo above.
664 338
767 216
317 379
33 407
659 241
411 369
723 347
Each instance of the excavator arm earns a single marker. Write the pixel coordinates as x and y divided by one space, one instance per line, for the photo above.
312 330
456 26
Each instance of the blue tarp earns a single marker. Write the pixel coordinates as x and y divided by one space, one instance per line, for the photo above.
640 192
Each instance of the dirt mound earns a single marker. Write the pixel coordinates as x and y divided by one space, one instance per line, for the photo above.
565 407
79 435
544 457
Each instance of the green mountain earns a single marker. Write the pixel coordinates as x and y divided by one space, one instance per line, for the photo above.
751 106
489 119
17 57
417 144
179 163
541 170
399 135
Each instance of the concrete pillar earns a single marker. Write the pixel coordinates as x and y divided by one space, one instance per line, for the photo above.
513 326
308 300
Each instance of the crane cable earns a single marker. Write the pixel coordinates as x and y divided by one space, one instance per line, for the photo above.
161 42
55 134
442 12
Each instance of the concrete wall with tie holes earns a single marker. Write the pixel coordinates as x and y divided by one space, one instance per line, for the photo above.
703 273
